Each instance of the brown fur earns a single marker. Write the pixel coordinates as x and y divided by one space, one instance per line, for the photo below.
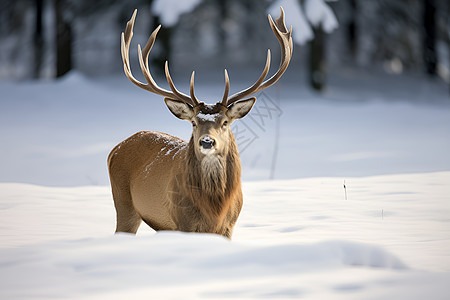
212 184
174 192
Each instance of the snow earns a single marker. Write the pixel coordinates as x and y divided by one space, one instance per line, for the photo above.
170 11
172 145
295 238
208 117
386 236
60 132
317 12
320 14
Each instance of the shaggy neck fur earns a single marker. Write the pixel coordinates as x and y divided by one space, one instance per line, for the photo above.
211 183
213 175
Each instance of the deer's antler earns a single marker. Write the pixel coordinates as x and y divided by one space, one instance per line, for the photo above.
143 60
279 28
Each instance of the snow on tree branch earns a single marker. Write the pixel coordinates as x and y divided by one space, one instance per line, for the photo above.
170 11
320 14
317 12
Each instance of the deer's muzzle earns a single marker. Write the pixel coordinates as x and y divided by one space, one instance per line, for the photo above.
207 142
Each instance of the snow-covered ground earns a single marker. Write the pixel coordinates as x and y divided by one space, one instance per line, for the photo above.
302 235
295 239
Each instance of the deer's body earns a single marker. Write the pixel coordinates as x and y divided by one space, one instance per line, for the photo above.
171 192
190 186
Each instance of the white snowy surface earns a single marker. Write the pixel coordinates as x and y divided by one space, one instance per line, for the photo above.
297 236
294 239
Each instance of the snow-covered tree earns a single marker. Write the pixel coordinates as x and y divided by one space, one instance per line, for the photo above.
169 11
311 22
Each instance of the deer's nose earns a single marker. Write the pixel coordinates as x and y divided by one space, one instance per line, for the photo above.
207 142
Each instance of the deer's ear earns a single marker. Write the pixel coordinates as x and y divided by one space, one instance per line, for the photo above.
240 109
180 109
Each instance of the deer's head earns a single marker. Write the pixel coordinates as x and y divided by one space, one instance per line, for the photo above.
211 131
211 122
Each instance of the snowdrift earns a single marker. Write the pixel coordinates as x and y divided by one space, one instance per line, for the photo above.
382 237
294 239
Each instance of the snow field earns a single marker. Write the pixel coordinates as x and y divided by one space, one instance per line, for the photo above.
295 238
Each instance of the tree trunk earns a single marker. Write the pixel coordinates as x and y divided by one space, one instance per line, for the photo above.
429 24
63 41
38 40
158 59
317 74
222 34
352 30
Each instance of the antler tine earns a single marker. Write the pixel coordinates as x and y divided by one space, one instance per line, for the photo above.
194 99
125 47
145 70
286 44
251 90
176 93
143 61
282 26
227 89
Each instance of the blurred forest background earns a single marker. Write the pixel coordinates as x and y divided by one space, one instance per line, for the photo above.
48 38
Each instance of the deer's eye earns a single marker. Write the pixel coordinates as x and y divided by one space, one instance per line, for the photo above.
224 124
193 123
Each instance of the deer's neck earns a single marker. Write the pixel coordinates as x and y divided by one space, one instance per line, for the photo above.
212 181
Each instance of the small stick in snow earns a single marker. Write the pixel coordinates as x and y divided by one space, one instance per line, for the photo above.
345 190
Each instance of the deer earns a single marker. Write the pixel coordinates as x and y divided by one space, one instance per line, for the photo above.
188 186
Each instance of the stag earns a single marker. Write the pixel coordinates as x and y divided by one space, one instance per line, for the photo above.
172 184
